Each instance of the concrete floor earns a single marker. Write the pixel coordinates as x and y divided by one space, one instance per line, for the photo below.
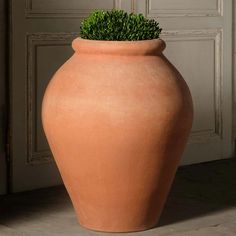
202 202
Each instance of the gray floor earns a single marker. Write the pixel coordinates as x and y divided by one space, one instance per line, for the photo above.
202 202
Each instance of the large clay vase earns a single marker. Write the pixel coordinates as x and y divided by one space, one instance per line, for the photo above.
117 116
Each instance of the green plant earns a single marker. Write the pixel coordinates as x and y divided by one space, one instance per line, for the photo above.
119 25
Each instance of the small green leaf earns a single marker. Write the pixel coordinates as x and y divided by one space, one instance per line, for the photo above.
118 25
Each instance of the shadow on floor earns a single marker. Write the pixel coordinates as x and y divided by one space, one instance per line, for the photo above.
201 189
34 204
197 190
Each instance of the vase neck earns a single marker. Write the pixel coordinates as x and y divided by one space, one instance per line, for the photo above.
125 48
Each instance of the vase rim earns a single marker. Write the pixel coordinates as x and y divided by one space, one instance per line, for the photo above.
125 48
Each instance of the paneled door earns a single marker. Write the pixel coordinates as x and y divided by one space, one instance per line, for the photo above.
41 34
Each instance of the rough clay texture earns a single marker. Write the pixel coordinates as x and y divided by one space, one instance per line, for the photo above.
117 116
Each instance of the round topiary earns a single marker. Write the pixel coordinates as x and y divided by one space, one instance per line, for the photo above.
118 25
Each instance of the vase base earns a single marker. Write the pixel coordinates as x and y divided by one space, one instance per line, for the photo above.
125 229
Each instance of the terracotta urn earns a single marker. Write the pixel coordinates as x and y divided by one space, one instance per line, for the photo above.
117 116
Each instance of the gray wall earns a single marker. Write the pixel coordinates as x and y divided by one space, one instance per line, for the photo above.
2 95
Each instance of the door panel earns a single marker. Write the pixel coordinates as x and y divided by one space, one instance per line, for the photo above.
66 9
41 35
46 53
157 8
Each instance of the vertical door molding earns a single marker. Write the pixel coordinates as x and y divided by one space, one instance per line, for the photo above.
3 109
234 74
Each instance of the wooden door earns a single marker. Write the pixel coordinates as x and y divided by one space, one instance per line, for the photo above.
41 34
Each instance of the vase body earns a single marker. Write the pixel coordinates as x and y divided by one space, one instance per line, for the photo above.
117 116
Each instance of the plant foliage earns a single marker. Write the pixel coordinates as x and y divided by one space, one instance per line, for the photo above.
118 25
